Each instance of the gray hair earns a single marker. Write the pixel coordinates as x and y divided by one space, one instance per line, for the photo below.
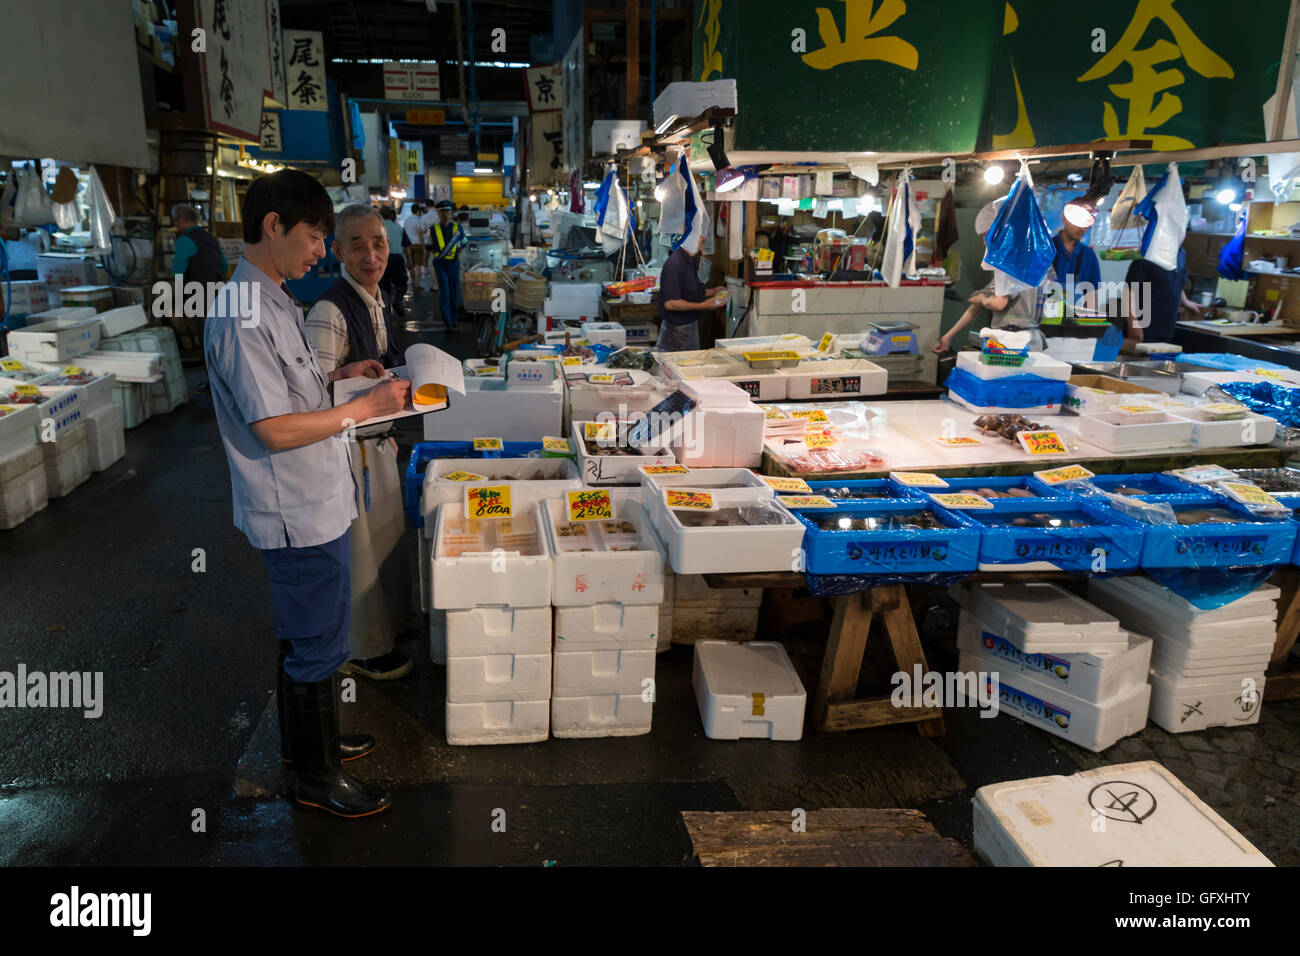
184 211
356 211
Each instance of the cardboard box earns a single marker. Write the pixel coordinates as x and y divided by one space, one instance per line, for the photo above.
1090 394
97 297
60 269
25 297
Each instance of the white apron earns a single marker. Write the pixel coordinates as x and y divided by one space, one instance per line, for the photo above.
381 579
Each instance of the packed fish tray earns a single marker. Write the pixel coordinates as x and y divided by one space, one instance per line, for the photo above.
734 537
1212 532
1062 534
887 537
602 462
867 489
497 561
1148 487
615 560
1006 486
1282 483
533 478
724 485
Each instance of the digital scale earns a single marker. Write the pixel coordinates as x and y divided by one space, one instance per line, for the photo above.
890 338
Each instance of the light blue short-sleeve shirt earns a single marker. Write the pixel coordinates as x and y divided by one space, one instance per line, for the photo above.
296 498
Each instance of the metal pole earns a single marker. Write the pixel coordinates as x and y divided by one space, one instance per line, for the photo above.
654 43
473 85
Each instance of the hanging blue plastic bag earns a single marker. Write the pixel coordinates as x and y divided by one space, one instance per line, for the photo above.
1019 242
1230 257
1166 214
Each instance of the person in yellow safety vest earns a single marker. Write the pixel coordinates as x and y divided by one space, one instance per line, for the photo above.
445 239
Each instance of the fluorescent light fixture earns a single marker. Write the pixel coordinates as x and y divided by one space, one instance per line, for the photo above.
666 124
483 169
591 185
994 174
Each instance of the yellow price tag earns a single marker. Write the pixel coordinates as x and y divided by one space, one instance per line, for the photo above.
958 442
590 504
598 431
1057 476
664 470
771 356
819 440
556 444
918 479
487 370
571 360
773 414
961 501
11 365
810 415
463 476
1270 373
797 485
487 444
827 342
1224 408
488 501
26 390
807 501
1137 409
600 378
72 370
679 499
1042 443
1249 494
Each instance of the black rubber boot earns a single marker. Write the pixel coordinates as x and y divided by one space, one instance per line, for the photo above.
350 746
321 782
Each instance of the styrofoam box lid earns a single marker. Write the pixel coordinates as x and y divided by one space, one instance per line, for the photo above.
1037 363
1144 591
1042 612
1051 820
717 393
755 667
602 327
1218 684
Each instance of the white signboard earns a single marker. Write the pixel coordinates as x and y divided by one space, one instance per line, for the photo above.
412 81
304 70
271 140
236 66
545 89
574 126
276 39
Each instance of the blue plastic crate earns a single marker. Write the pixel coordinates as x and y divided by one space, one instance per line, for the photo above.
426 451
867 489
965 485
1158 487
1071 549
1252 541
906 551
1014 391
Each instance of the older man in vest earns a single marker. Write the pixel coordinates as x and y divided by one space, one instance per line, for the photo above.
353 320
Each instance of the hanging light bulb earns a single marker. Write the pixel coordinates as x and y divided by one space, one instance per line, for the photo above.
994 174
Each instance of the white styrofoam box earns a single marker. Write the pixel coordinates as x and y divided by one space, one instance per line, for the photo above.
1110 431
1038 616
493 677
585 401
587 671
56 340
724 430
514 413
761 386
23 487
747 690
1093 726
568 314
531 374
66 314
725 484
438 636
106 435
133 399
61 269
582 294
1052 821
498 722
605 333
608 136
664 637
14 371
19 427
127 366
498 630
25 297
1037 363
125 319
62 406
686 99
584 578
1171 660
835 378
736 548
67 460
1259 429
614 469
791 341
1083 398
1176 614
601 715
609 625
1092 677
505 578
518 474
1198 383
156 339
1190 704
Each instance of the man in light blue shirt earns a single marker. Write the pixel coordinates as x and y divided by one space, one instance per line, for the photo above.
290 478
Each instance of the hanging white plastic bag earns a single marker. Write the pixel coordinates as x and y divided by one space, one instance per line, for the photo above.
671 194
1166 216
903 225
66 216
99 213
7 196
1123 215
1019 242
32 206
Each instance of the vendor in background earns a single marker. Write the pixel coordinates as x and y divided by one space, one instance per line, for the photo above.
394 281
682 297
1075 261
414 229
445 238
986 299
198 256
351 322
294 496
1153 298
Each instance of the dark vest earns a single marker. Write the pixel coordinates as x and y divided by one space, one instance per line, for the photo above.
204 265
362 343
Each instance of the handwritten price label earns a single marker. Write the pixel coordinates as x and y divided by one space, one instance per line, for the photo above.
918 479
598 431
488 501
1270 373
807 501
72 370
556 444
1043 444
811 415
678 499
961 501
664 470
1249 494
827 343
571 360
11 365
819 439
600 379
1057 476
589 505
773 414
28 390
1137 409
958 442
487 444
796 485
1204 474
463 476
772 356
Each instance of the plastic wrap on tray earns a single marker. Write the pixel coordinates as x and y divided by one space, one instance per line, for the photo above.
1210 588
632 358
848 455
1277 401
833 585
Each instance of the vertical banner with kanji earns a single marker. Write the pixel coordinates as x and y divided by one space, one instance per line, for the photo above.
575 133
236 65
276 38
304 70
545 85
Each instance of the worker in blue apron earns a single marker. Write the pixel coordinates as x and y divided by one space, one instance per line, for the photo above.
445 240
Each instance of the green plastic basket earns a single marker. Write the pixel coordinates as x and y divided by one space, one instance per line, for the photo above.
1007 359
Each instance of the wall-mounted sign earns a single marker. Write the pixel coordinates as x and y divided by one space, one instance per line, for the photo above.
304 70
426 117
412 81
465 168
278 89
236 66
545 91
271 139
454 145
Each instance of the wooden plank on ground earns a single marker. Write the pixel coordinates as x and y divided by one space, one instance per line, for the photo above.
835 837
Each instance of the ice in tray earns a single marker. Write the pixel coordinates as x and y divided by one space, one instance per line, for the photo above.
766 515
907 521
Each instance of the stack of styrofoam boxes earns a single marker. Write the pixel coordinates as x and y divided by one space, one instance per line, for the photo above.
607 592
1062 665
23 488
611 334
121 336
609 136
1207 666
493 578
67 458
1088 819
572 302
94 405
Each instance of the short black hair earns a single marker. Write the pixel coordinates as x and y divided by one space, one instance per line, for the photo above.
387 212
291 193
